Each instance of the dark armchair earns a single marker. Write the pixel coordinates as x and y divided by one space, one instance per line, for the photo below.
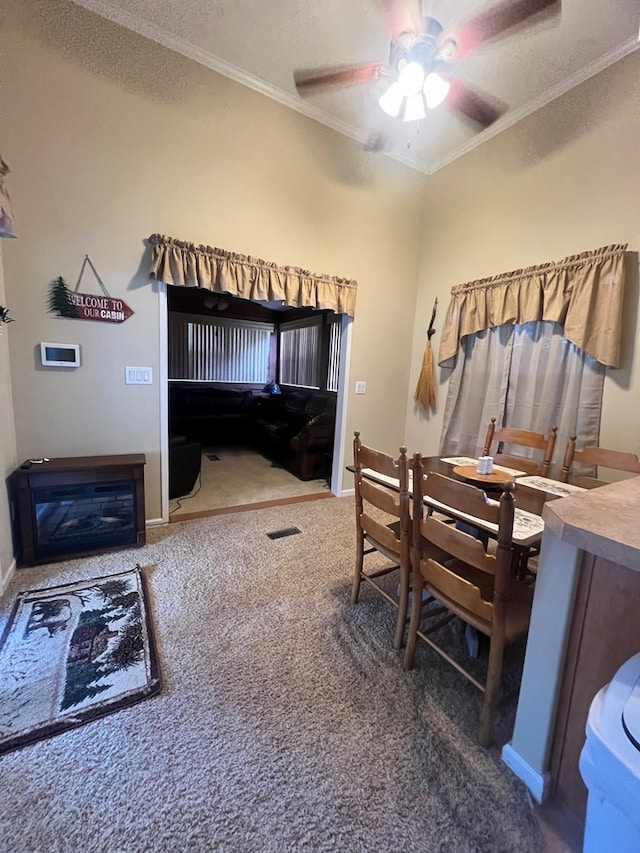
297 430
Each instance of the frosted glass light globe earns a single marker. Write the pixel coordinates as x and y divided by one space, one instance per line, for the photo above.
435 90
411 79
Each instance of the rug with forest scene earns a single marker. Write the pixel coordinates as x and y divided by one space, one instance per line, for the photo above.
72 653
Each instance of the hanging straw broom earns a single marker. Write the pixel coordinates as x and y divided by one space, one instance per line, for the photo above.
425 394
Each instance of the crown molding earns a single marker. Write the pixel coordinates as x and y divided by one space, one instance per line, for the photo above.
197 54
209 60
542 100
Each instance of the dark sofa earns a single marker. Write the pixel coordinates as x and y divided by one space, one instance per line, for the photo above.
212 414
294 428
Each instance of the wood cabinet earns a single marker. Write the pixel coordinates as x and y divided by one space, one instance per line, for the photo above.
604 633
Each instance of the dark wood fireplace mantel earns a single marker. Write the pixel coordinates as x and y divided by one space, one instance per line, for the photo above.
77 506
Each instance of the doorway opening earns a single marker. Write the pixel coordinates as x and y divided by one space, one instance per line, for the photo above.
252 398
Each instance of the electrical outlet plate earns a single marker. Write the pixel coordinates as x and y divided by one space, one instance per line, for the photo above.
138 376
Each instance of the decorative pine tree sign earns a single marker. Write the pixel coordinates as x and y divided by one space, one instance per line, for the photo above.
86 306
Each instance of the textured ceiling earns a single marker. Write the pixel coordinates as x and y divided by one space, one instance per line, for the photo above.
261 43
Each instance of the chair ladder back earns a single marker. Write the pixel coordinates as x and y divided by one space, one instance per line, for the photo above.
367 457
381 463
522 438
459 496
380 534
598 457
619 460
380 497
390 539
461 545
458 543
451 588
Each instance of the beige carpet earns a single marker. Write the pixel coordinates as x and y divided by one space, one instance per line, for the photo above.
241 476
285 723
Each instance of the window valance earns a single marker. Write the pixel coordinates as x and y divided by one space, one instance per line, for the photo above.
176 262
583 293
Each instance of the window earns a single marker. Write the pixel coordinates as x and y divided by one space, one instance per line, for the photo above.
218 349
310 352
300 352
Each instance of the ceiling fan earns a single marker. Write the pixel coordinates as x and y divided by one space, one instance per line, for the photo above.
422 58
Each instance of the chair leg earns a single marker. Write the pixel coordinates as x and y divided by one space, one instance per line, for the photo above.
494 672
357 575
403 604
414 623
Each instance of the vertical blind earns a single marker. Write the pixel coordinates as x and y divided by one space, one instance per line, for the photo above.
218 350
300 353
335 333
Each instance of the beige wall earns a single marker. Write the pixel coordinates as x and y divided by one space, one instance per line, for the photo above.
565 180
8 456
110 138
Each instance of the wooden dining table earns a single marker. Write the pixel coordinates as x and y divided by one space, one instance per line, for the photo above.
531 492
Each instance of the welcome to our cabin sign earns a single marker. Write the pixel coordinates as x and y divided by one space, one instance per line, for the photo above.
103 308
86 306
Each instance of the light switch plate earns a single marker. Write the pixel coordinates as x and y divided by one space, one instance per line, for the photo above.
138 376
361 387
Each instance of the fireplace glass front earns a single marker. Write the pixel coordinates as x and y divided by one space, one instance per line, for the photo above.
84 517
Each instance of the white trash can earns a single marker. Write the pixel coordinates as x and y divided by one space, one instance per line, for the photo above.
610 764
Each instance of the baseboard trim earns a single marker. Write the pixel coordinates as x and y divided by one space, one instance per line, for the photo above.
537 783
154 522
347 493
4 581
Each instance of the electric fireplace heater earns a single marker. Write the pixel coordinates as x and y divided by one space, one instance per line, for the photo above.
77 506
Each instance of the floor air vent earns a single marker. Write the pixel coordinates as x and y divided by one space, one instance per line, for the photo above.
288 531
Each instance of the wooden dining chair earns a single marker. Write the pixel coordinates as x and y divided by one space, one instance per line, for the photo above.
618 460
383 523
471 582
520 438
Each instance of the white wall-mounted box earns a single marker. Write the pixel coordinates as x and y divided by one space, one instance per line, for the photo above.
59 355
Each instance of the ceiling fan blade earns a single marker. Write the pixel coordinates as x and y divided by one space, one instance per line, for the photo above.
497 21
472 104
311 80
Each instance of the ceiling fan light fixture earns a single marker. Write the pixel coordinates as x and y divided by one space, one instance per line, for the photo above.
411 79
414 109
391 100
435 90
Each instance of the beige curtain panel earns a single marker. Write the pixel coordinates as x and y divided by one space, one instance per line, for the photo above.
583 293
176 262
